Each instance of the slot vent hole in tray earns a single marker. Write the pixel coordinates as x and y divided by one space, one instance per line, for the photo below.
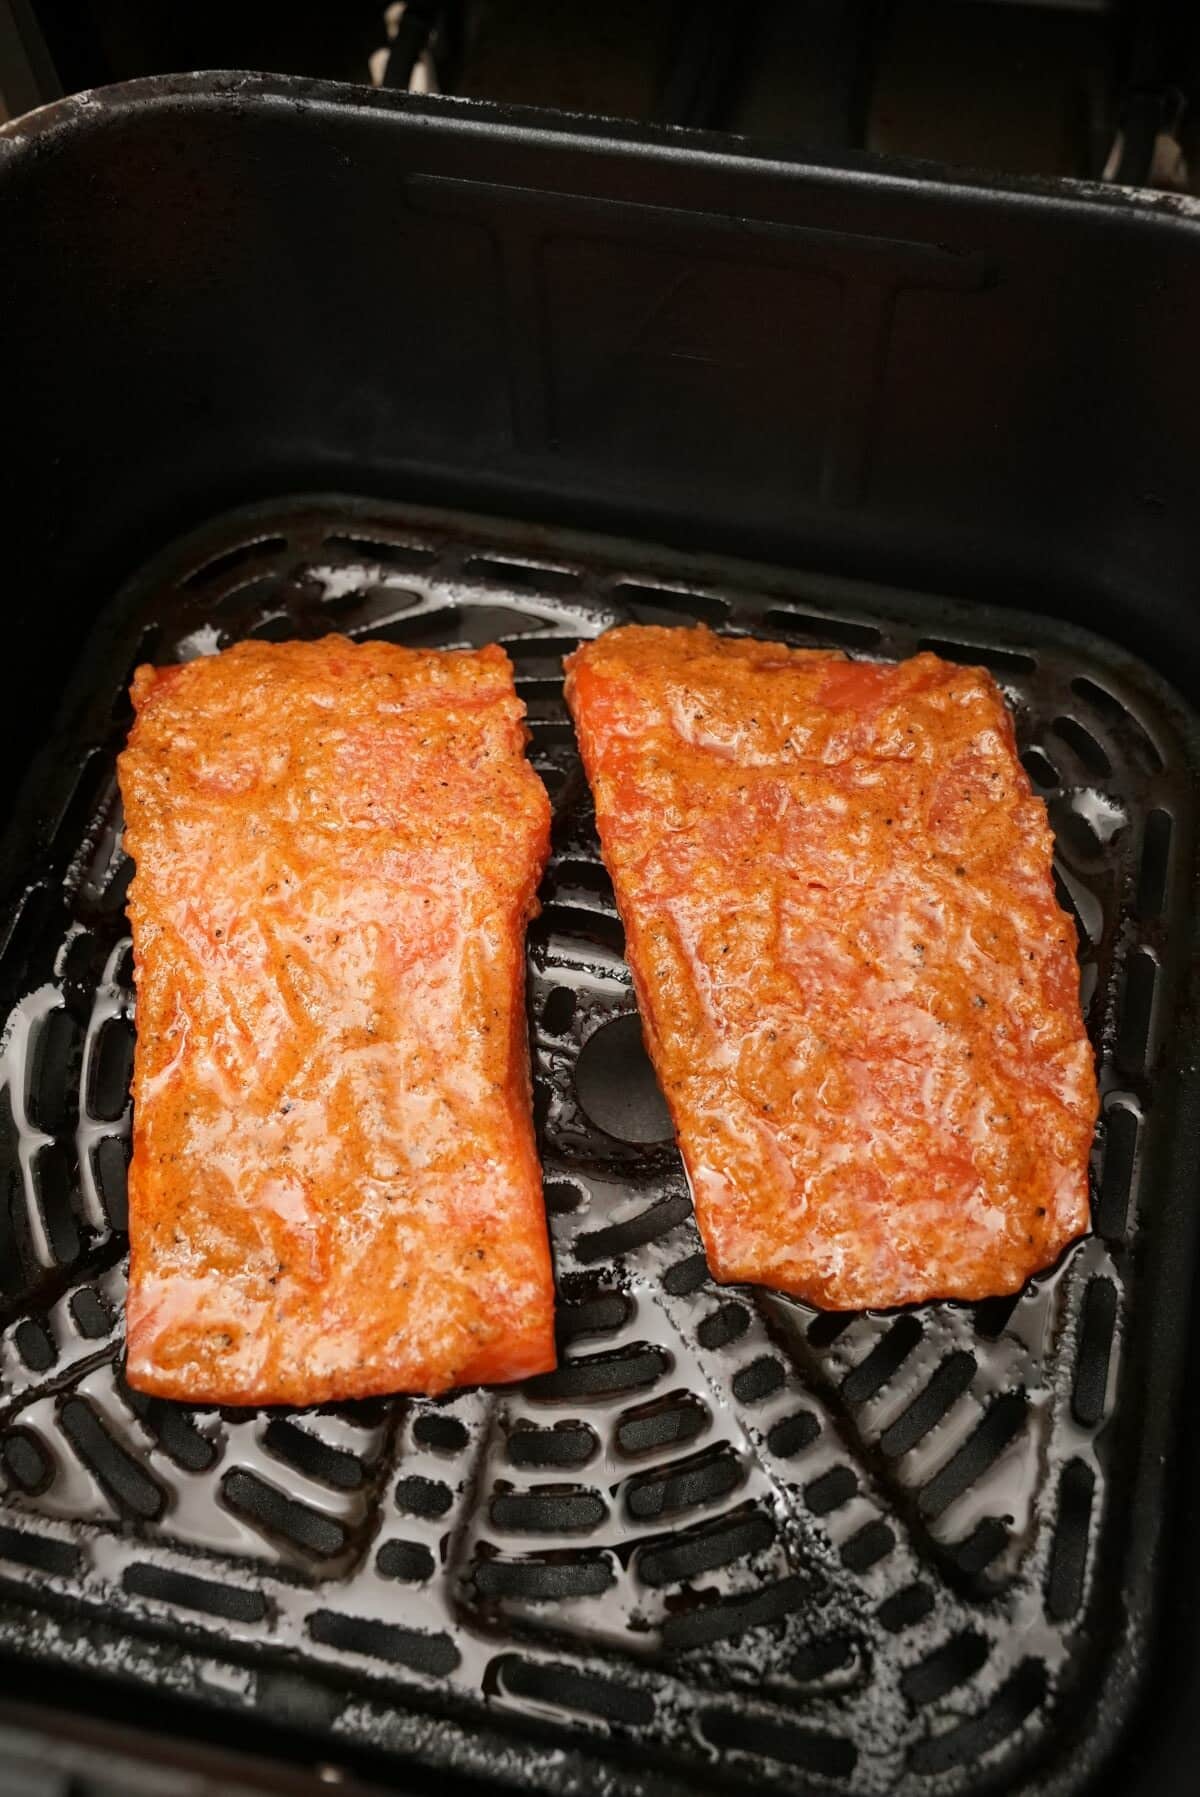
259 550
645 601
370 549
1120 718
846 633
521 576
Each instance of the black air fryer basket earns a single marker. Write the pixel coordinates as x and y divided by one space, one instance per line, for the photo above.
280 359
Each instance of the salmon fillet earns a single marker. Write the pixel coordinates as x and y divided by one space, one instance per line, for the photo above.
334 1188
857 987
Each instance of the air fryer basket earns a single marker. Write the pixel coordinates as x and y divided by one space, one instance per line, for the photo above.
887 1551
729 1542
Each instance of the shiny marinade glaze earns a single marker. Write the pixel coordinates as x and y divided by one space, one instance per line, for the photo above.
857 986
335 1188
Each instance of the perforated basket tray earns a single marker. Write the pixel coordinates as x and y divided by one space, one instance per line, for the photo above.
729 1538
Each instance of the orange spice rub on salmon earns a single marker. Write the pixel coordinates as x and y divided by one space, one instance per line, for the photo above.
856 983
334 1188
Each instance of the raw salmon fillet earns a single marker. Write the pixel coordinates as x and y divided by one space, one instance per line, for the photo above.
334 1188
857 987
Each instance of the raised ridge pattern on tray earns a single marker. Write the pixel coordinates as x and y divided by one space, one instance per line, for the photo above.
861 1547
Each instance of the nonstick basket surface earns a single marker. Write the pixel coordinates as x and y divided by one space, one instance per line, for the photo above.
731 1538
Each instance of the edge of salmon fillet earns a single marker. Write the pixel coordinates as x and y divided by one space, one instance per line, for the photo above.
683 1025
167 737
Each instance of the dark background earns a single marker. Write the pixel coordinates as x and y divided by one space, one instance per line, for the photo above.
1088 88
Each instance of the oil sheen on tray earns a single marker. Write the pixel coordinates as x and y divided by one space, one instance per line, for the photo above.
857 987
334 1188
